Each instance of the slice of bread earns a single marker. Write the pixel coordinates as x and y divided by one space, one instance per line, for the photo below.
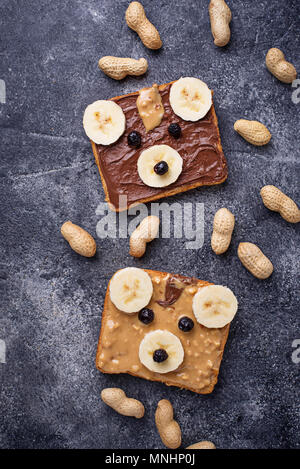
199 146
121 334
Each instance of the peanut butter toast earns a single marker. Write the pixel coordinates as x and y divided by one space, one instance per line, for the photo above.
196 141
163 340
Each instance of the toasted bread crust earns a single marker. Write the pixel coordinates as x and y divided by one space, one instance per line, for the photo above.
160 379
166 193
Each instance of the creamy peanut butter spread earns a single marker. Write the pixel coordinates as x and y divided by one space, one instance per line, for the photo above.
121 334
150 107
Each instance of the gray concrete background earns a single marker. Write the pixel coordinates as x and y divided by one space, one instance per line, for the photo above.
51 298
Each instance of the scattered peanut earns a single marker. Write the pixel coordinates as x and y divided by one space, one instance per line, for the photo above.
202 445
117 399
222 230
143 234
253 131
220 17
279 67
254 260
119 67
277 201
137 20
79 239
167 427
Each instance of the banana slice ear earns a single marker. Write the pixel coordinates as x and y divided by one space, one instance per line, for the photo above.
214 306
104 122
130 289
190 98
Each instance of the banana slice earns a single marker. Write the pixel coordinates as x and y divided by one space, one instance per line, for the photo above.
190 98
104 122
164 346
130 289
214 306
159 166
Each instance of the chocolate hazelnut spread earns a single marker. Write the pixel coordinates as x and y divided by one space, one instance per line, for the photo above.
199 146
175 285
121 335
150 107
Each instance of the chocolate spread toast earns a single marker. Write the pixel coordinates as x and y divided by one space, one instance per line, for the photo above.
199 146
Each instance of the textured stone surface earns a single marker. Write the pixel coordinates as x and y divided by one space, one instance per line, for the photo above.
51 298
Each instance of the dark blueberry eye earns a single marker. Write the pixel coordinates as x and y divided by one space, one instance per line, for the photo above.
185 324
134 139
174 130
146 315
161 168
160 355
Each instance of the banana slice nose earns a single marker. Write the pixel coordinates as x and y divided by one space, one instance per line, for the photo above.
150 157
161 340
214 306
190 98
